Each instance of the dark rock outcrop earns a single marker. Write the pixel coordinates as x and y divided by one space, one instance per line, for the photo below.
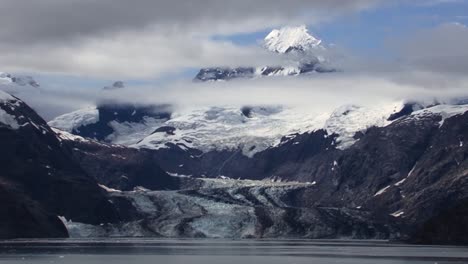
122 168
120 113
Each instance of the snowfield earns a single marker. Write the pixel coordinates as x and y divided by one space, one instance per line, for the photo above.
228 128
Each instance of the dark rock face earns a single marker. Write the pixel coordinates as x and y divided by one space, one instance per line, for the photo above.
165 129
112 112
449 226
247 111
38 165
213 74
122 168
21 217
407 109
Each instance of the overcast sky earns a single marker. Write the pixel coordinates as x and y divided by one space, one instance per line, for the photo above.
74 45
150 38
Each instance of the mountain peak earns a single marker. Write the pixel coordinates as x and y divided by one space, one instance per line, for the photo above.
287 39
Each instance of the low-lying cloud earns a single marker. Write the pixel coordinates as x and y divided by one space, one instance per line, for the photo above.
316 93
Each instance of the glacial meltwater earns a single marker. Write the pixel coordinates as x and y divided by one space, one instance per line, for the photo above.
200 251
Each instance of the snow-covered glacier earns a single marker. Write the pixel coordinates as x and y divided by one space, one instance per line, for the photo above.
251 129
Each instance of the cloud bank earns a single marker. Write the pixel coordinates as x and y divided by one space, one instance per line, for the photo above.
144 38
318 93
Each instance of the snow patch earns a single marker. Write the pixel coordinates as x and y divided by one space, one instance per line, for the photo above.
109 190
397 214
400 182
62 135
382 191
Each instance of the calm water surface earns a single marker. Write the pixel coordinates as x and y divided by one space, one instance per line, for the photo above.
142 251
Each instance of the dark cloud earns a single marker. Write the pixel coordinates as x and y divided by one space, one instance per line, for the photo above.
45 20
144 38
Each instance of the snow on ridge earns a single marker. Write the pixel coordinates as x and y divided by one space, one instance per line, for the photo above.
444 110
287 38
382 191
63 135
228 128
348 120
71 121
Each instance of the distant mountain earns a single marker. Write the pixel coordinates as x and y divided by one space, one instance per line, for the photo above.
305 53
115 85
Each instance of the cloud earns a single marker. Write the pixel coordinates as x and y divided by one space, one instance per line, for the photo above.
318 93
442 49
143 38
35 21
134 55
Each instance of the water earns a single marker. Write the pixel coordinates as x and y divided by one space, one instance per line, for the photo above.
143 251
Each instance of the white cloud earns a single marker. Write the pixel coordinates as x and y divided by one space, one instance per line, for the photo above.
318 93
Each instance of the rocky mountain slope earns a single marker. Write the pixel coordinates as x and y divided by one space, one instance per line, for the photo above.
39 180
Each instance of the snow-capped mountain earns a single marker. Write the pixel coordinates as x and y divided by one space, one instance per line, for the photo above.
304 52
289 39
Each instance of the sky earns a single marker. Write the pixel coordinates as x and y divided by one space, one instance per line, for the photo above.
77 46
